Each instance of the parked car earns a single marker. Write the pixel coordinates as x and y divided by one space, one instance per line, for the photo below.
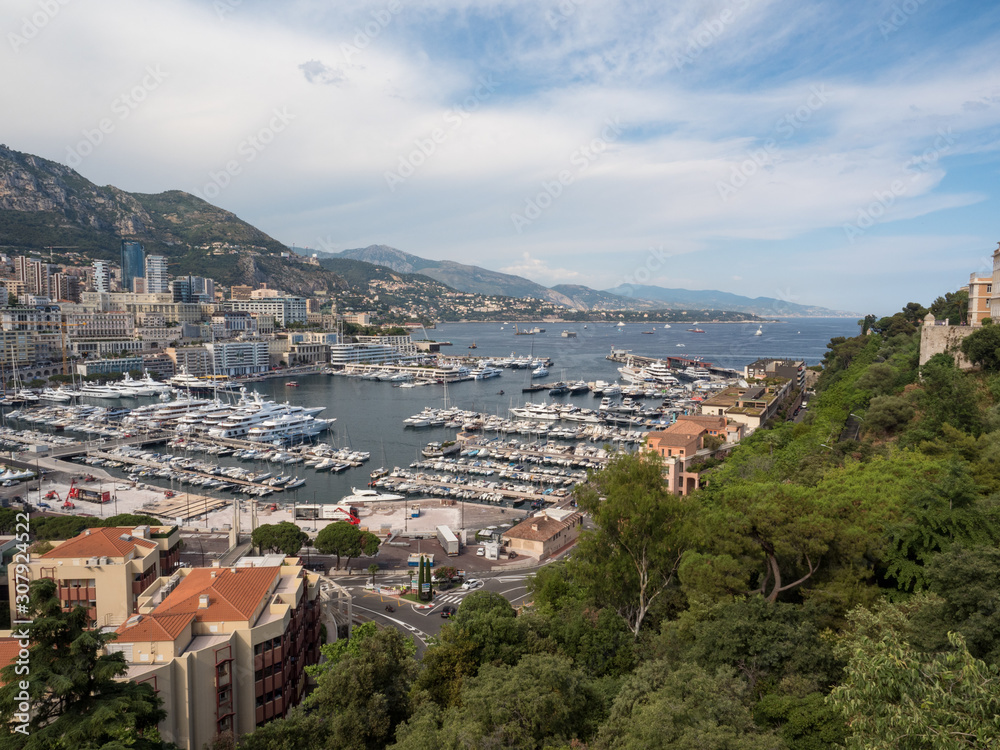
472 583
448 611
480 552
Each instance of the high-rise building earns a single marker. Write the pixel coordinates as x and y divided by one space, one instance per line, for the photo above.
156 275
193 289
34 273
133 263
65 287
102 276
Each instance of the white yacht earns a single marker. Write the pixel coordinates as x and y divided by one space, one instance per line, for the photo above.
359 497
485 372
539 372
59 396
92 390
759 331
253 412
288 427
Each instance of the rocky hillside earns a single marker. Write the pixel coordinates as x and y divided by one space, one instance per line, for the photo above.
46 205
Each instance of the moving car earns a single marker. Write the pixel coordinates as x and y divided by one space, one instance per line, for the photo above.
447 612
472 583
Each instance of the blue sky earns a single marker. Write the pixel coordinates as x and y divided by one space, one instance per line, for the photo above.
843 154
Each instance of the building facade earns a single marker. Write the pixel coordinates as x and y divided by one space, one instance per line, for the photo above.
980 297
133 264
235 358
225 648
157 280
284 310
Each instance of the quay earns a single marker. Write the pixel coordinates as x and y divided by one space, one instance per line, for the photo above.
673 362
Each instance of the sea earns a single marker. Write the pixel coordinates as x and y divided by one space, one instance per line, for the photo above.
369 414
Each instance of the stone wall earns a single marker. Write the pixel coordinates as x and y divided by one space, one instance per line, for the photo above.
935 339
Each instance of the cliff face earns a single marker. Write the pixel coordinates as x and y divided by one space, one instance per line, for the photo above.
45 205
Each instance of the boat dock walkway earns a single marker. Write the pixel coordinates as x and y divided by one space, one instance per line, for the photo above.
148 464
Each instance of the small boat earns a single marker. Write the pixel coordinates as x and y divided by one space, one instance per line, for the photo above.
292 384
680 345
649 333
666 325
759 331
473 345
695 330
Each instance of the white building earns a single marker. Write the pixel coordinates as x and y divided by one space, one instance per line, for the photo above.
285 310
156 275
232 358
102 276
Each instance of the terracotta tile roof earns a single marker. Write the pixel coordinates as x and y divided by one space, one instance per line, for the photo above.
546 527
154 627
106 542
9 649
231 596
703 419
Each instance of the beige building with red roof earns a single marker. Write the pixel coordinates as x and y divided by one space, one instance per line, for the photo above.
225 648
544 533
683 443
105 569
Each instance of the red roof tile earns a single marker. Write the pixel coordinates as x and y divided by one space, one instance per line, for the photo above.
105 542
9 649
231 596
154 627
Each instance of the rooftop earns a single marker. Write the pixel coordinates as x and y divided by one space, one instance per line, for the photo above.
115 541
541 527
233 594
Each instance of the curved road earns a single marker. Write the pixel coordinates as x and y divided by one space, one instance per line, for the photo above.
423 624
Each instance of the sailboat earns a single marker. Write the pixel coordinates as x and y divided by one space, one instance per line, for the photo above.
759 331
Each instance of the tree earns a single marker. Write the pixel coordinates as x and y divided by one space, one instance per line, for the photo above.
284 537
344 538
78 701
642 532
542 701
895 697
886 414
363 691
945 512
373 569
683 709
982 347
445 572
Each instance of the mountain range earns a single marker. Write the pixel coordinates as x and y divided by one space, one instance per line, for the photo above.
466 278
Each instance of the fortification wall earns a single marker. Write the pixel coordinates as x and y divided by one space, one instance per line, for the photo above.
935 339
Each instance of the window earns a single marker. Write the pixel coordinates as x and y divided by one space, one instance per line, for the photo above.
258 675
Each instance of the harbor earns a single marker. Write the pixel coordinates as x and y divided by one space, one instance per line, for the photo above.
515 450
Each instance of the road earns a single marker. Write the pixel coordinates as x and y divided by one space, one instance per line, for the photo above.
426 623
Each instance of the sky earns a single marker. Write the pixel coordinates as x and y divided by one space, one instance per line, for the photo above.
843 154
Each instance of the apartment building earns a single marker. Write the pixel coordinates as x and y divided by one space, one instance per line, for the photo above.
102 277
752 406
133 264
980 294
106 325
114 366
683 443
233 358
225 648
105 569
285 310
157 279
764 369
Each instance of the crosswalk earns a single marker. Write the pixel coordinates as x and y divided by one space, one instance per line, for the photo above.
450 598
